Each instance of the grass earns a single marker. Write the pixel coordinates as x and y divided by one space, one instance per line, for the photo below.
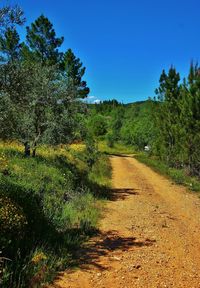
49 205
179 176
117 149
101 172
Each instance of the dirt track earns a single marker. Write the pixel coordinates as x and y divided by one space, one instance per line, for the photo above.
150 235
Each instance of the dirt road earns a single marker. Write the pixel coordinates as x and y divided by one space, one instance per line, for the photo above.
150 235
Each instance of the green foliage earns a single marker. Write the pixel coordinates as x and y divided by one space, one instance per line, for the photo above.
117 122
8 118
74 72
81 212
97 125
40 87
101 171
42 41
177 120
91 150
10 16
9 44
105 107
168 112
179 176
118 148
130 124
137 129
110 140
48 207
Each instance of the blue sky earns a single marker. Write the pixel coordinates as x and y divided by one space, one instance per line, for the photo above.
124 44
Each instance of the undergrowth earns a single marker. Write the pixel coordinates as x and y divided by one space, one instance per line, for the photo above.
49 205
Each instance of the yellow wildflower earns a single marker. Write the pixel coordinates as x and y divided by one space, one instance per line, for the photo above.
38 257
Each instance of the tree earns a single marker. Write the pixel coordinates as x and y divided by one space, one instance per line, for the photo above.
74 71
97 125
117 122
168 114
10 16
10 89
68 121
39 97
9 45
190 118
42 41
8 117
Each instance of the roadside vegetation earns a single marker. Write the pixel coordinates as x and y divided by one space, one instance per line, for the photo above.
175 136
178 176
49 205
118 148
52 176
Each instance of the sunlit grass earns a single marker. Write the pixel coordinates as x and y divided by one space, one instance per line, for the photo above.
118 148
101 172
55 200
80 147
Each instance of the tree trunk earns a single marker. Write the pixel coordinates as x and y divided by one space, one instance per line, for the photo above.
27 151
35 144
34 149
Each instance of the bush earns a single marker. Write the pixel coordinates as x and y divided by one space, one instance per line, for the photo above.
98 125
91 151
110 140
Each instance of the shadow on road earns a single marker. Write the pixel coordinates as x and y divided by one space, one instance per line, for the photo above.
121 193
103 245
121 155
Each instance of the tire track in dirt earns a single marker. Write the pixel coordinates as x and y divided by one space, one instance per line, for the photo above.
149 235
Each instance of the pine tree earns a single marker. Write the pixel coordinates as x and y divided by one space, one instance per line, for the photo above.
42 41
10 16
168 115
74 71
10 45
191 118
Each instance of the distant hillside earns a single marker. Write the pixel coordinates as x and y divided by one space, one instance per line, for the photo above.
136 103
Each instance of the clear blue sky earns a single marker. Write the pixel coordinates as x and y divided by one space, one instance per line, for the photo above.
124 44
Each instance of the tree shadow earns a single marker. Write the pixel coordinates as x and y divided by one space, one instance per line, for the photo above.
104 244
122 155
116 194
